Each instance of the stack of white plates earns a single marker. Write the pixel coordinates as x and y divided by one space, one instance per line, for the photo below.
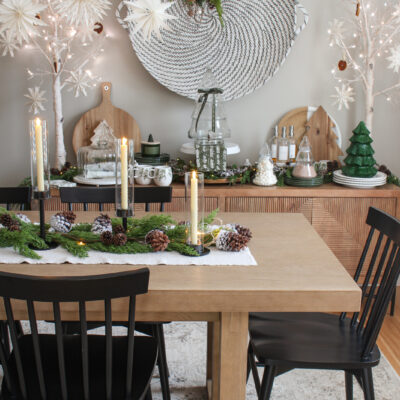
360 183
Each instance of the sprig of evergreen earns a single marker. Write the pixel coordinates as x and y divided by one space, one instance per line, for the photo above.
182 248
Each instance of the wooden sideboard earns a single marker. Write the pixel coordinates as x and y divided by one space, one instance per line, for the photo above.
337 213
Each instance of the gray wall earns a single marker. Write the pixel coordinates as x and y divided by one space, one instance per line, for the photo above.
304 79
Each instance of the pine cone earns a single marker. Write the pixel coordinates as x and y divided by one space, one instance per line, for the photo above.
102 224
6 220
118 229
14 227
69 216
242 230
120 239
60 224
107 238
231 241
157 239
23 218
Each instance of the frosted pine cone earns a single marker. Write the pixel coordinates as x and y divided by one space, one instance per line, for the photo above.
60 224
242 230
69 216
107 238
231 241
157 239
120 239
102 224
23 218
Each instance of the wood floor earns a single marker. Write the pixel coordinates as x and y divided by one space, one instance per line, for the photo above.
389 338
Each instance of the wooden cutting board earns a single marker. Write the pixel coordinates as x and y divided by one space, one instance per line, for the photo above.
297 118
123 124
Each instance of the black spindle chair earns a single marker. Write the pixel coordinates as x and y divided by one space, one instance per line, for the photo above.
15 195
285 341
147 195
58 366
106 195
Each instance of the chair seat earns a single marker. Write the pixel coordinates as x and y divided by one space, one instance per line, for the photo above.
145 355
307 340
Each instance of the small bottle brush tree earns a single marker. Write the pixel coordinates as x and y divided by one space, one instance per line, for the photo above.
360 161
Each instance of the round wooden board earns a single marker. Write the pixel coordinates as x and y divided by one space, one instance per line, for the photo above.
122 123
297 118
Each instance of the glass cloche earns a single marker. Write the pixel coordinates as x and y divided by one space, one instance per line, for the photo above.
304 167
209 119
98 160
265 175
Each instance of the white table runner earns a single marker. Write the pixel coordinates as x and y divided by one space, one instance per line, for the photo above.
61 256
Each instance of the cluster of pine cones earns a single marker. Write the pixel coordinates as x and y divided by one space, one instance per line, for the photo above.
157 239
116 237
62 222
8 222
235 239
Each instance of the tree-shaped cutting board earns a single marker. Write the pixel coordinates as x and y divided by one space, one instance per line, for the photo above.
322 138
122 123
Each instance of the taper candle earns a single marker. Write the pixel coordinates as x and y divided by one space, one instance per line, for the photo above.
39 155
124 174
194 208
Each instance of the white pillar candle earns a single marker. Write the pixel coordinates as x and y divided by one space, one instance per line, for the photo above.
124 174
194 208
39 155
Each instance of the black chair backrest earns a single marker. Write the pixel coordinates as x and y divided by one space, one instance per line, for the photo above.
79 290
15 195
382 250
106 195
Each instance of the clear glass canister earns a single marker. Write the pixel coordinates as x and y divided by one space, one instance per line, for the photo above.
304 167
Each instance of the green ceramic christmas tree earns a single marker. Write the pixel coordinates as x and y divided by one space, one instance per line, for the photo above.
360 162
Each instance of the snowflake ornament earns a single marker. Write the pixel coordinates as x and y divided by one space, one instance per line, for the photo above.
83 12
336 31
8 44
149 16
19 18
394 59
36 100
78 82
343 96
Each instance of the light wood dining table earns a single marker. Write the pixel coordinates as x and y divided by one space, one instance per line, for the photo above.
296 272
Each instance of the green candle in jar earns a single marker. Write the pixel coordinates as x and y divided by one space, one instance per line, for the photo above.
150 148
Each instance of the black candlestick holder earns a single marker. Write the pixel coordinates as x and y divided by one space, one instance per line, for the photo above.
124 214
200 249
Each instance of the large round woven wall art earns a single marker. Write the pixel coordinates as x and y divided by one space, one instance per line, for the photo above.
243 54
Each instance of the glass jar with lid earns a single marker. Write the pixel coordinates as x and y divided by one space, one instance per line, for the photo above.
304 167
265 175
97 161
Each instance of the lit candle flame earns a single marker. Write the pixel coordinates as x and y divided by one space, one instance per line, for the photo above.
81 244
124 141
38 122
194 175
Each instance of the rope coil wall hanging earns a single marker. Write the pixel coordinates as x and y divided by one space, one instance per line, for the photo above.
243 54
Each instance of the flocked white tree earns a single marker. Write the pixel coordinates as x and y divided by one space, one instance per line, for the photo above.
369 36
69 35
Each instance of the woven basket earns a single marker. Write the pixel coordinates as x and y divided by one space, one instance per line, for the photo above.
243 54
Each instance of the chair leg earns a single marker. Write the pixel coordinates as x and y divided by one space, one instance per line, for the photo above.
393 305
251 366
148 395
162 361
349 385
267 383
368 384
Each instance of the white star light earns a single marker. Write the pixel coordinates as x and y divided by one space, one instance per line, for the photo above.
78 82
8 44
336 31
343 96
36 100
149 16
83 12
18 18
394 59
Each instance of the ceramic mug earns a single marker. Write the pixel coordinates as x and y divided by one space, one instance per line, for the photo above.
163 176
144 174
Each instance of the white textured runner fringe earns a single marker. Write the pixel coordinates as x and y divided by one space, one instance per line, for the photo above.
61 256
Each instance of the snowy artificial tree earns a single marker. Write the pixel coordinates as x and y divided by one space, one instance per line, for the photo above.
68 34
370 36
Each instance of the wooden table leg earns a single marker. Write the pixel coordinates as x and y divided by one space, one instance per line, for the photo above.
231 364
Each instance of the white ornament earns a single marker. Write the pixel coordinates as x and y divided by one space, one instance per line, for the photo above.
103 133
19 18
394 59
344 95
78 82
36 100
149 16
8 43
336 31
83 12
265 173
